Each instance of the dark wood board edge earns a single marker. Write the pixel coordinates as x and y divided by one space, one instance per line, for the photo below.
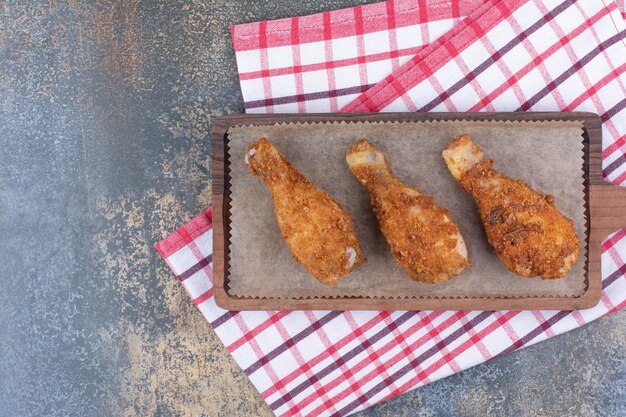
594 181
606 207
218 159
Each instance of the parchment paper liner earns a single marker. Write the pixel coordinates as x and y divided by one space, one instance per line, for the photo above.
548 155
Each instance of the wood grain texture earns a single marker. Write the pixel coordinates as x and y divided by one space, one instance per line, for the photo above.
606 212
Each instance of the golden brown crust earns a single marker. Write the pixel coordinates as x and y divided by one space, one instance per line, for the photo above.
527 232
317 230
423 239
422 243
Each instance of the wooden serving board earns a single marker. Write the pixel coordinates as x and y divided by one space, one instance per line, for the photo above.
606 213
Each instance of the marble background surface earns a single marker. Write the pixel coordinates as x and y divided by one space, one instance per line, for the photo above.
105 109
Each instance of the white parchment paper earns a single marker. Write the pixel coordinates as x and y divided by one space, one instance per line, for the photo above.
547 155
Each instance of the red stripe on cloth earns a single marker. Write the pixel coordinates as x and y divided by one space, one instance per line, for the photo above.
548 18
375 16
267 85
421 358
262 360
330 69
528 337
181 237
606 301
611 241
381 89
620 179
617 307
471 332
201 260
423 375
202 298
297 63
594 89
495 57
346 371
575 68
502 320
441 94
610 124
393 360
401 339
617 274
571 54
510 332
621 4
257 330
313 362
442 346
614 146
512 79
473 82
419 68
351 354
393 38
455 9
373 354
356 370
580 320
254 344
423 12
542 320
320 389
362 57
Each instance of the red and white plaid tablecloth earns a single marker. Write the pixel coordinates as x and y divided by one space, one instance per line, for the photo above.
419 55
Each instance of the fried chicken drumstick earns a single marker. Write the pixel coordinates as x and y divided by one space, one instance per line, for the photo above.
317 230
529 235
423 239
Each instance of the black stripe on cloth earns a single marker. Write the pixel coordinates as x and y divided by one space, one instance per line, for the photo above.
614 276
493 58
290 342
306 97
576 66
223 318
535 332
342 360
413 364
197 267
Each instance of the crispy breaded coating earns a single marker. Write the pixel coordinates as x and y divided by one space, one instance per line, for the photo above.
528 233
423 239
317 230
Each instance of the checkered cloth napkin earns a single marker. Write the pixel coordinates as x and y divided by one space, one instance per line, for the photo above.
412 56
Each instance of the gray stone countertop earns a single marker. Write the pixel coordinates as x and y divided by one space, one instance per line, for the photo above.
105 109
